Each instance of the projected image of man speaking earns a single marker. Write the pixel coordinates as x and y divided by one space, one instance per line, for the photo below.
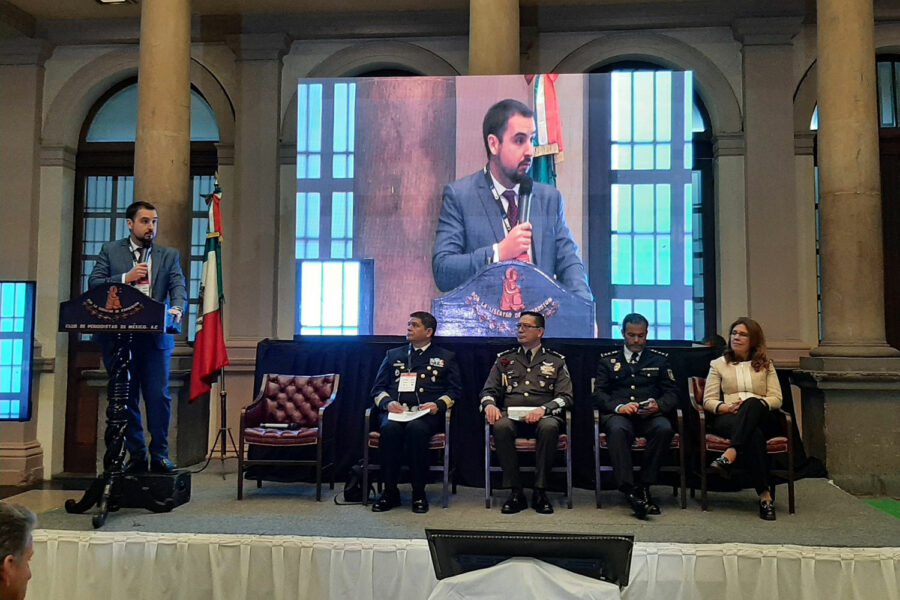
498 213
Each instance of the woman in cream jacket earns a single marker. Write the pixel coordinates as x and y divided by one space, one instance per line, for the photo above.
742 390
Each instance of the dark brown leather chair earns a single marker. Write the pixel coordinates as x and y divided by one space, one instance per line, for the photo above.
529 445
710 442
640 445
438 444
289 412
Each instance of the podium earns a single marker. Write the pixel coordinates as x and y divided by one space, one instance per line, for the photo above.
121 312
490 302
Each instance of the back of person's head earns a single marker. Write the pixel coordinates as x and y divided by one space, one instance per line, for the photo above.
497 116
16 526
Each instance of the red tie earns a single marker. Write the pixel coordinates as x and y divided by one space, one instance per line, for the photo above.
512 214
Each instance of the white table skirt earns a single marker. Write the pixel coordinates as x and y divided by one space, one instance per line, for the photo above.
77 565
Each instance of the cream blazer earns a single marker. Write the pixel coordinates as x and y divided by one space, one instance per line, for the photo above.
723 376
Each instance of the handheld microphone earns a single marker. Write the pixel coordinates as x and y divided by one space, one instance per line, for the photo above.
525 186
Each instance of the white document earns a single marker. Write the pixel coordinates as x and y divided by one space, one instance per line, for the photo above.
517 413
407 416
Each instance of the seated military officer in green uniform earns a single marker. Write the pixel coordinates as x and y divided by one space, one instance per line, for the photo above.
529 376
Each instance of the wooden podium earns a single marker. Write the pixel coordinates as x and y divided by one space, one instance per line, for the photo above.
490 302
121 312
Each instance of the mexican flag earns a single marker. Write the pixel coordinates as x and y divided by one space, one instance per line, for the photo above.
210 354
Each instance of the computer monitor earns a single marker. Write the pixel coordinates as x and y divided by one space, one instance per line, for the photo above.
600 556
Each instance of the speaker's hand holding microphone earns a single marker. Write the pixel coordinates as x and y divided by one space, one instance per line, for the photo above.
141 270
516 242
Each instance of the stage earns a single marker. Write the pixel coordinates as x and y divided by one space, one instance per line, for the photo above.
280 543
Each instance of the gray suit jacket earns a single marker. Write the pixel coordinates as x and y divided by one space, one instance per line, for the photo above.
471 222
166 279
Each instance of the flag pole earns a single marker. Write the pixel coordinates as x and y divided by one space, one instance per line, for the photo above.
224 433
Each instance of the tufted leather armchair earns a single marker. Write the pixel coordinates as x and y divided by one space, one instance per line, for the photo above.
288 412
710 442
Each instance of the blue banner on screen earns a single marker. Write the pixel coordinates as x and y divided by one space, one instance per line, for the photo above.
590 179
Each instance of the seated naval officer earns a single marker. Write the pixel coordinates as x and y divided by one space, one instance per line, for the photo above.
534 376
635 392
419 377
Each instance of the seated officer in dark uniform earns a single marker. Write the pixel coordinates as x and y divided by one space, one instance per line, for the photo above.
528 376
635 392
416 377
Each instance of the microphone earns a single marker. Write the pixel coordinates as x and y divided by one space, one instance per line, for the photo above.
525 185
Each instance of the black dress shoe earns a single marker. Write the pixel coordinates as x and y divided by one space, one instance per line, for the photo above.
388 500
161 465
420 505
515 503
723 466
636 501
540 503
135 467
766 510
652 506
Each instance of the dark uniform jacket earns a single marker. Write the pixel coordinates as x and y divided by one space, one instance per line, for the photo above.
618 382
437 378
544 381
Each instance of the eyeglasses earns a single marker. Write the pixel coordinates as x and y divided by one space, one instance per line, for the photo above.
527 326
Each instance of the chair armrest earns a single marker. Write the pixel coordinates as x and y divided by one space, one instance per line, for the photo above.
569 426
787 423
252 415
447 415
679 417
447 425
596 416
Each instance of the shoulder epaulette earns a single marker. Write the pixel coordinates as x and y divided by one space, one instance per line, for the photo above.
509 351
554 353
655 351
610 353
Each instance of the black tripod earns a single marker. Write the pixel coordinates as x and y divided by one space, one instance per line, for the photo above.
224 432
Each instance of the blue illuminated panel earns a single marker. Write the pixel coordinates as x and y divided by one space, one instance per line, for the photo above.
335 297
16 347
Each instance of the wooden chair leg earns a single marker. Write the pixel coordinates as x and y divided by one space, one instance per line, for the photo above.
365 475
446 473
258 483
681 473
240 481
597 473
319 472
703 478
569 490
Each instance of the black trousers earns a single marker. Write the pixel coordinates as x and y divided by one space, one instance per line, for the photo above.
620 433
407 443
546 433
748 430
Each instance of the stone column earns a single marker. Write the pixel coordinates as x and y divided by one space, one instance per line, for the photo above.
162 150
21 99
849 183
493 37
851 382
773 253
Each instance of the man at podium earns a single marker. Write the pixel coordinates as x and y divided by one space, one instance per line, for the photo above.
498 214
156 271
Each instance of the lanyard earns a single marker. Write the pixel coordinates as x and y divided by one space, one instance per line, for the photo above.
496 195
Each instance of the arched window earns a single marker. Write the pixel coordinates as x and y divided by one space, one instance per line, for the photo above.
651 229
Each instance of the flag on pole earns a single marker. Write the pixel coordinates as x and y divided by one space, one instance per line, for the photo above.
210 354
548 145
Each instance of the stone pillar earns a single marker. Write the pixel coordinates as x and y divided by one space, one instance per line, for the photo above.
731 241
162 149
773 254
253 242
21 100
851 382
493 37
849 183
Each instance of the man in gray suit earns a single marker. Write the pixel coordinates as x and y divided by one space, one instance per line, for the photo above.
481 220
156 271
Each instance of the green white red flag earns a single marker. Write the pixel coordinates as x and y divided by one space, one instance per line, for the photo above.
210 355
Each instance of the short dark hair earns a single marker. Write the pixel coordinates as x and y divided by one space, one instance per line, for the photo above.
714 340
427 319
134 207
635 319
537 317
497 116
16 525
